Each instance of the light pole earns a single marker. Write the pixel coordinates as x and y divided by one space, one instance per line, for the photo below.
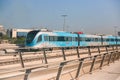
115 31
64 24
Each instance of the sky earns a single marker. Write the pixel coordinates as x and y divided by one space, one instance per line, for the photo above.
88 16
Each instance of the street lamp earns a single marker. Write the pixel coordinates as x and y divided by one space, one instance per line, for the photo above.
64 24
115 31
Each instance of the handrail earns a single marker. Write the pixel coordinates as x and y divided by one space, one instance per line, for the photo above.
114 55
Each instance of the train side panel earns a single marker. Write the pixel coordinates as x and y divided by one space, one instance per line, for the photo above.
65 39
118 40
90 40
59 39
109 40
112 40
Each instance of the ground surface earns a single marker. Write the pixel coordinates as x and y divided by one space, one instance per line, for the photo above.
111 72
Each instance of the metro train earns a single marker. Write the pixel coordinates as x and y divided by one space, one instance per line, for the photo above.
47 39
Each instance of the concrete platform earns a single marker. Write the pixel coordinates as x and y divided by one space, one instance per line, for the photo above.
111 72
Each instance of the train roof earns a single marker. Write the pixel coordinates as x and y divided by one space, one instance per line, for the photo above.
63 33
58 33
89 35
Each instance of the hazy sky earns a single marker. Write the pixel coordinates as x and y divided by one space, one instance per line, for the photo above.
89 16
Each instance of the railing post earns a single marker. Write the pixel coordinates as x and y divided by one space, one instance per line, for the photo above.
64 57
101 64
89 52
92 65
79 68
114 56
106 49
118 55
60 70
44 53
113 48
21 59
27 72
116 47
110 57
99 49
77 48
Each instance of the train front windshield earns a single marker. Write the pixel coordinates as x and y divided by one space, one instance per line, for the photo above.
30 36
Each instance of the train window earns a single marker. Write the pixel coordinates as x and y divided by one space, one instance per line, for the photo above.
76 38
87 39
51 38
61 39
66 38
46 38
30 36
93 39
73 38
108 40
55 38
104 39
82 39
39 38
96 39
69 38
58 38
112 39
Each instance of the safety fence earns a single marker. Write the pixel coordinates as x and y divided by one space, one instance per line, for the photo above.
103 59
66 69
77 51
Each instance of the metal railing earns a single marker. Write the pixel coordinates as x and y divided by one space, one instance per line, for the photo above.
105 57
112 57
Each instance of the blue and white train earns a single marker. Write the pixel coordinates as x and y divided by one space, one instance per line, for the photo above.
39 39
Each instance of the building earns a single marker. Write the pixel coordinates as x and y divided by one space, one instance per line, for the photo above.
119 33
14 33
2 30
